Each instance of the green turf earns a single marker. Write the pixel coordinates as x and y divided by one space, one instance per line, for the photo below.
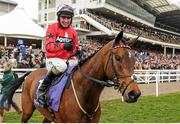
149 109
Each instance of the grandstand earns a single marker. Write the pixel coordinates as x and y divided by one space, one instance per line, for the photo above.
167 14
101 20
98 21
125 16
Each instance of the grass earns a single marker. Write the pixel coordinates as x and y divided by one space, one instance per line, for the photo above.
12 117
149 109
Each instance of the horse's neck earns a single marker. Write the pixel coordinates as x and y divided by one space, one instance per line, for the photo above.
89 91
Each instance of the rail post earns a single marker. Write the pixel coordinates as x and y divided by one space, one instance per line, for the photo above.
157 83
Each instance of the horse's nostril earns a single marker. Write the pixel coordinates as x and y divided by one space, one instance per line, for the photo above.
134 95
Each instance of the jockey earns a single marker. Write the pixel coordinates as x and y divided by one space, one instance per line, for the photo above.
61 41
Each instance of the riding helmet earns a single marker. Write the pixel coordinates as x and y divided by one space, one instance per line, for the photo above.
65 11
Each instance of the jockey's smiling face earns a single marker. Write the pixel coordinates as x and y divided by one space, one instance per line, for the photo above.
65 21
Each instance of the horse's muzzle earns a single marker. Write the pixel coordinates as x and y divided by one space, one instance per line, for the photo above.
133 96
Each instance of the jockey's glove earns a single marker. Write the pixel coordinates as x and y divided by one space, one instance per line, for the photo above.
68 46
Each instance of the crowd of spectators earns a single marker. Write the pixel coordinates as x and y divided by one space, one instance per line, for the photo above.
146 32
90 47
156 60
35 58
144 60
21 56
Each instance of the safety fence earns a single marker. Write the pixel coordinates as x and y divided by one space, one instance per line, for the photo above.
142 76
157 76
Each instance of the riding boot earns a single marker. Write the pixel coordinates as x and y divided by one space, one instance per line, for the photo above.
41 93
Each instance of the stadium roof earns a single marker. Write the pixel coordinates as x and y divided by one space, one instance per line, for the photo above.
165 12
161 6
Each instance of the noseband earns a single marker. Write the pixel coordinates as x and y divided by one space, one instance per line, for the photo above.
116 76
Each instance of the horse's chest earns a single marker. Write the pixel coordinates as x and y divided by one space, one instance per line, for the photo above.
77 117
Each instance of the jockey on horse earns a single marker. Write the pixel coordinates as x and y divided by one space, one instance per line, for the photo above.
61 42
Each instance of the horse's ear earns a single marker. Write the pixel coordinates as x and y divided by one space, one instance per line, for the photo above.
118 38
133 41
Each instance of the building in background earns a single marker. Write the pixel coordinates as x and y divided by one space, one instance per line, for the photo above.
15 23
119 9
97 18
6 6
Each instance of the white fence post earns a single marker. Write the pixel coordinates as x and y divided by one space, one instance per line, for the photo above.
122 99
147 77
169 77
157 82
177 76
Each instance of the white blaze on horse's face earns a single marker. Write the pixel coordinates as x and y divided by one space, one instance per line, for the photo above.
129 53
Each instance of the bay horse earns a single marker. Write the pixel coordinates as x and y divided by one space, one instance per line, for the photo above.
80 102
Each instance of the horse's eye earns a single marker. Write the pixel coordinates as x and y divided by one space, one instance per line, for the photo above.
118 58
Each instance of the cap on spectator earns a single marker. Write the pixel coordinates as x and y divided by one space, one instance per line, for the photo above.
20 41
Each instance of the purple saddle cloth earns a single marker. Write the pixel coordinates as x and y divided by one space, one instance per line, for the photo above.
55 90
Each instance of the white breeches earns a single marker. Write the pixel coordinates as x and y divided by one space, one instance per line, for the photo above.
59 64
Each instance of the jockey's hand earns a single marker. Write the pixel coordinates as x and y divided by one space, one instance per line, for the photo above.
78 53
68 46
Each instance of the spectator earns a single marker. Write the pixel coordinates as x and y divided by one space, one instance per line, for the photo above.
13 61
21 47
23 64
7 81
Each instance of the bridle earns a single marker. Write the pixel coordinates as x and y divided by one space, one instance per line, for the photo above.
108 83
117 76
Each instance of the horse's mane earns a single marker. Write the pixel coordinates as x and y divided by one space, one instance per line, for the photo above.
84 60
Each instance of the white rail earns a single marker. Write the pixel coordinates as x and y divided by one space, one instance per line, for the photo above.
159 76
143 76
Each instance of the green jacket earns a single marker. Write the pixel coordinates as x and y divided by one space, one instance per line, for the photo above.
7 81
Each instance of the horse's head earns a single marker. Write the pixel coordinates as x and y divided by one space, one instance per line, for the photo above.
119 68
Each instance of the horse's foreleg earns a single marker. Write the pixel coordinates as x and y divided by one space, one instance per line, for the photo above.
27 113
1 114
25 117
27 107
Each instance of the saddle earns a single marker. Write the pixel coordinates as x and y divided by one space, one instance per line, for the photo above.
56 89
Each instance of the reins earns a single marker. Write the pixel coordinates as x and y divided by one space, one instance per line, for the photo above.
90 116
116 76
106 83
